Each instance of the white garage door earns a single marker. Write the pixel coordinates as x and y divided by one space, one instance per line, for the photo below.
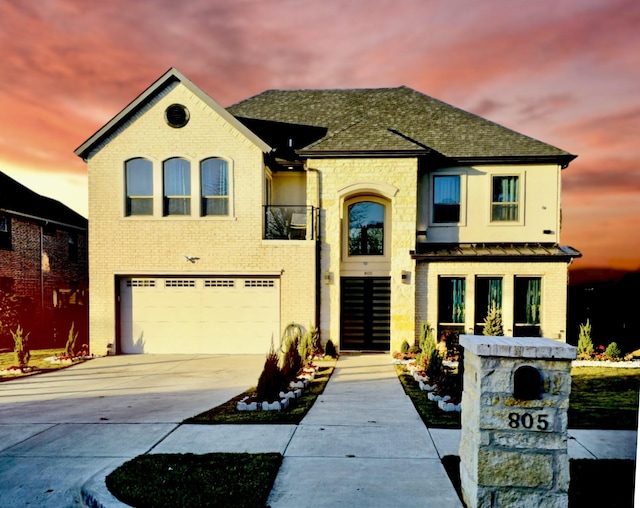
199 315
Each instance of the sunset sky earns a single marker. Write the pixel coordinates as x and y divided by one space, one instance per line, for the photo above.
566 72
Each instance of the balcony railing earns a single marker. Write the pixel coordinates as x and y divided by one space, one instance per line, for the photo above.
284 222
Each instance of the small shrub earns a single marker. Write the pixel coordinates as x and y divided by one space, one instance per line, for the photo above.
292 333
330 349
613 351
309 345
404 347
70 347
415 350
493 322
21 347
435 369
585 344
272 380
291 360
427 345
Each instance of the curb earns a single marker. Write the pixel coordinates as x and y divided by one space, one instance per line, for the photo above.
95 494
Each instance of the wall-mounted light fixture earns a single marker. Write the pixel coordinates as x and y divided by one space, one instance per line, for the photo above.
406 277
328 278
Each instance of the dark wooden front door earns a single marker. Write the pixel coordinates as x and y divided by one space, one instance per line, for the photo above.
365 313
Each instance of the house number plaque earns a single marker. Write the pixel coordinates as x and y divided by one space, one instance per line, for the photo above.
524 420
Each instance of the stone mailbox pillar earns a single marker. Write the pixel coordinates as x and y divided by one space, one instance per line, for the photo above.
513 447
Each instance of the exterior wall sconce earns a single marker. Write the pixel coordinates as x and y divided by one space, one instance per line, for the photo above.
406 277
328 278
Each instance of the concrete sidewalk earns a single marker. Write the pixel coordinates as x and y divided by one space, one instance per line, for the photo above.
362 444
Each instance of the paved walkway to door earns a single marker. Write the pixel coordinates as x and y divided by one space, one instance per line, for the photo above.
362 444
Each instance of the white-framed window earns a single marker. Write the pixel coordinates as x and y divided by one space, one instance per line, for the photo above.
505 198
446 199
176 178
138 186
214 186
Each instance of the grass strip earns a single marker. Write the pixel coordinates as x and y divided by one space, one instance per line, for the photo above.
613 478
238 480
604 398
432 416
228 414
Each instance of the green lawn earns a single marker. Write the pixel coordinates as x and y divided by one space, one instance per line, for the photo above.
238 480
601 398
604 398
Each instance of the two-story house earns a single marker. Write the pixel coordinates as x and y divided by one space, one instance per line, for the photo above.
43 267
364 212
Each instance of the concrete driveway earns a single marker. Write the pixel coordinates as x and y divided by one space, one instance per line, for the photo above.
57 430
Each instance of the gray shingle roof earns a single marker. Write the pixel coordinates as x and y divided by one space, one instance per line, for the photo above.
388 120
17 199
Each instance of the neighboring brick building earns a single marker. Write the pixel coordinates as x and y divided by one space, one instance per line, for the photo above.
363 212
43 264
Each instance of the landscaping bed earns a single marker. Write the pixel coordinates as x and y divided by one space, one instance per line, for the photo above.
603 398
39 362
228 413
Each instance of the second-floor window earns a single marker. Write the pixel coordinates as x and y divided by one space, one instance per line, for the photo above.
366 229
72 241
446 199
139 187
177 187
214 180
505 200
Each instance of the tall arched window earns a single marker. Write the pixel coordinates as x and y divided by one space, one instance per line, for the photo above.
139 187
177 186
366 229
214 180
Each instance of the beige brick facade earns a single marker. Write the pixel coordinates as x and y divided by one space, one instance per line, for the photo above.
309 271
125 246
553 300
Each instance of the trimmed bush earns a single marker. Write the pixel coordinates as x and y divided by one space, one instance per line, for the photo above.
330 349
427 345
613 351
404 347
272 381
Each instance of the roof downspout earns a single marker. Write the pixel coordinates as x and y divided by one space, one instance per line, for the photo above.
318 249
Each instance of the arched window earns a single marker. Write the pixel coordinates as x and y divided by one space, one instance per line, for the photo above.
366 229
214 182
139 187
177 186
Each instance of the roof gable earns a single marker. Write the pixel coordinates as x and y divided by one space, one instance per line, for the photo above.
17 199
149 97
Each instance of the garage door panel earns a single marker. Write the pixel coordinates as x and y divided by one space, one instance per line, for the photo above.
199 315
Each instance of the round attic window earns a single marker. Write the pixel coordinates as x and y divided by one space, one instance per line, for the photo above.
177 115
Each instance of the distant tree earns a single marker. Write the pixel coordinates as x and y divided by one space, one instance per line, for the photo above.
585 344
